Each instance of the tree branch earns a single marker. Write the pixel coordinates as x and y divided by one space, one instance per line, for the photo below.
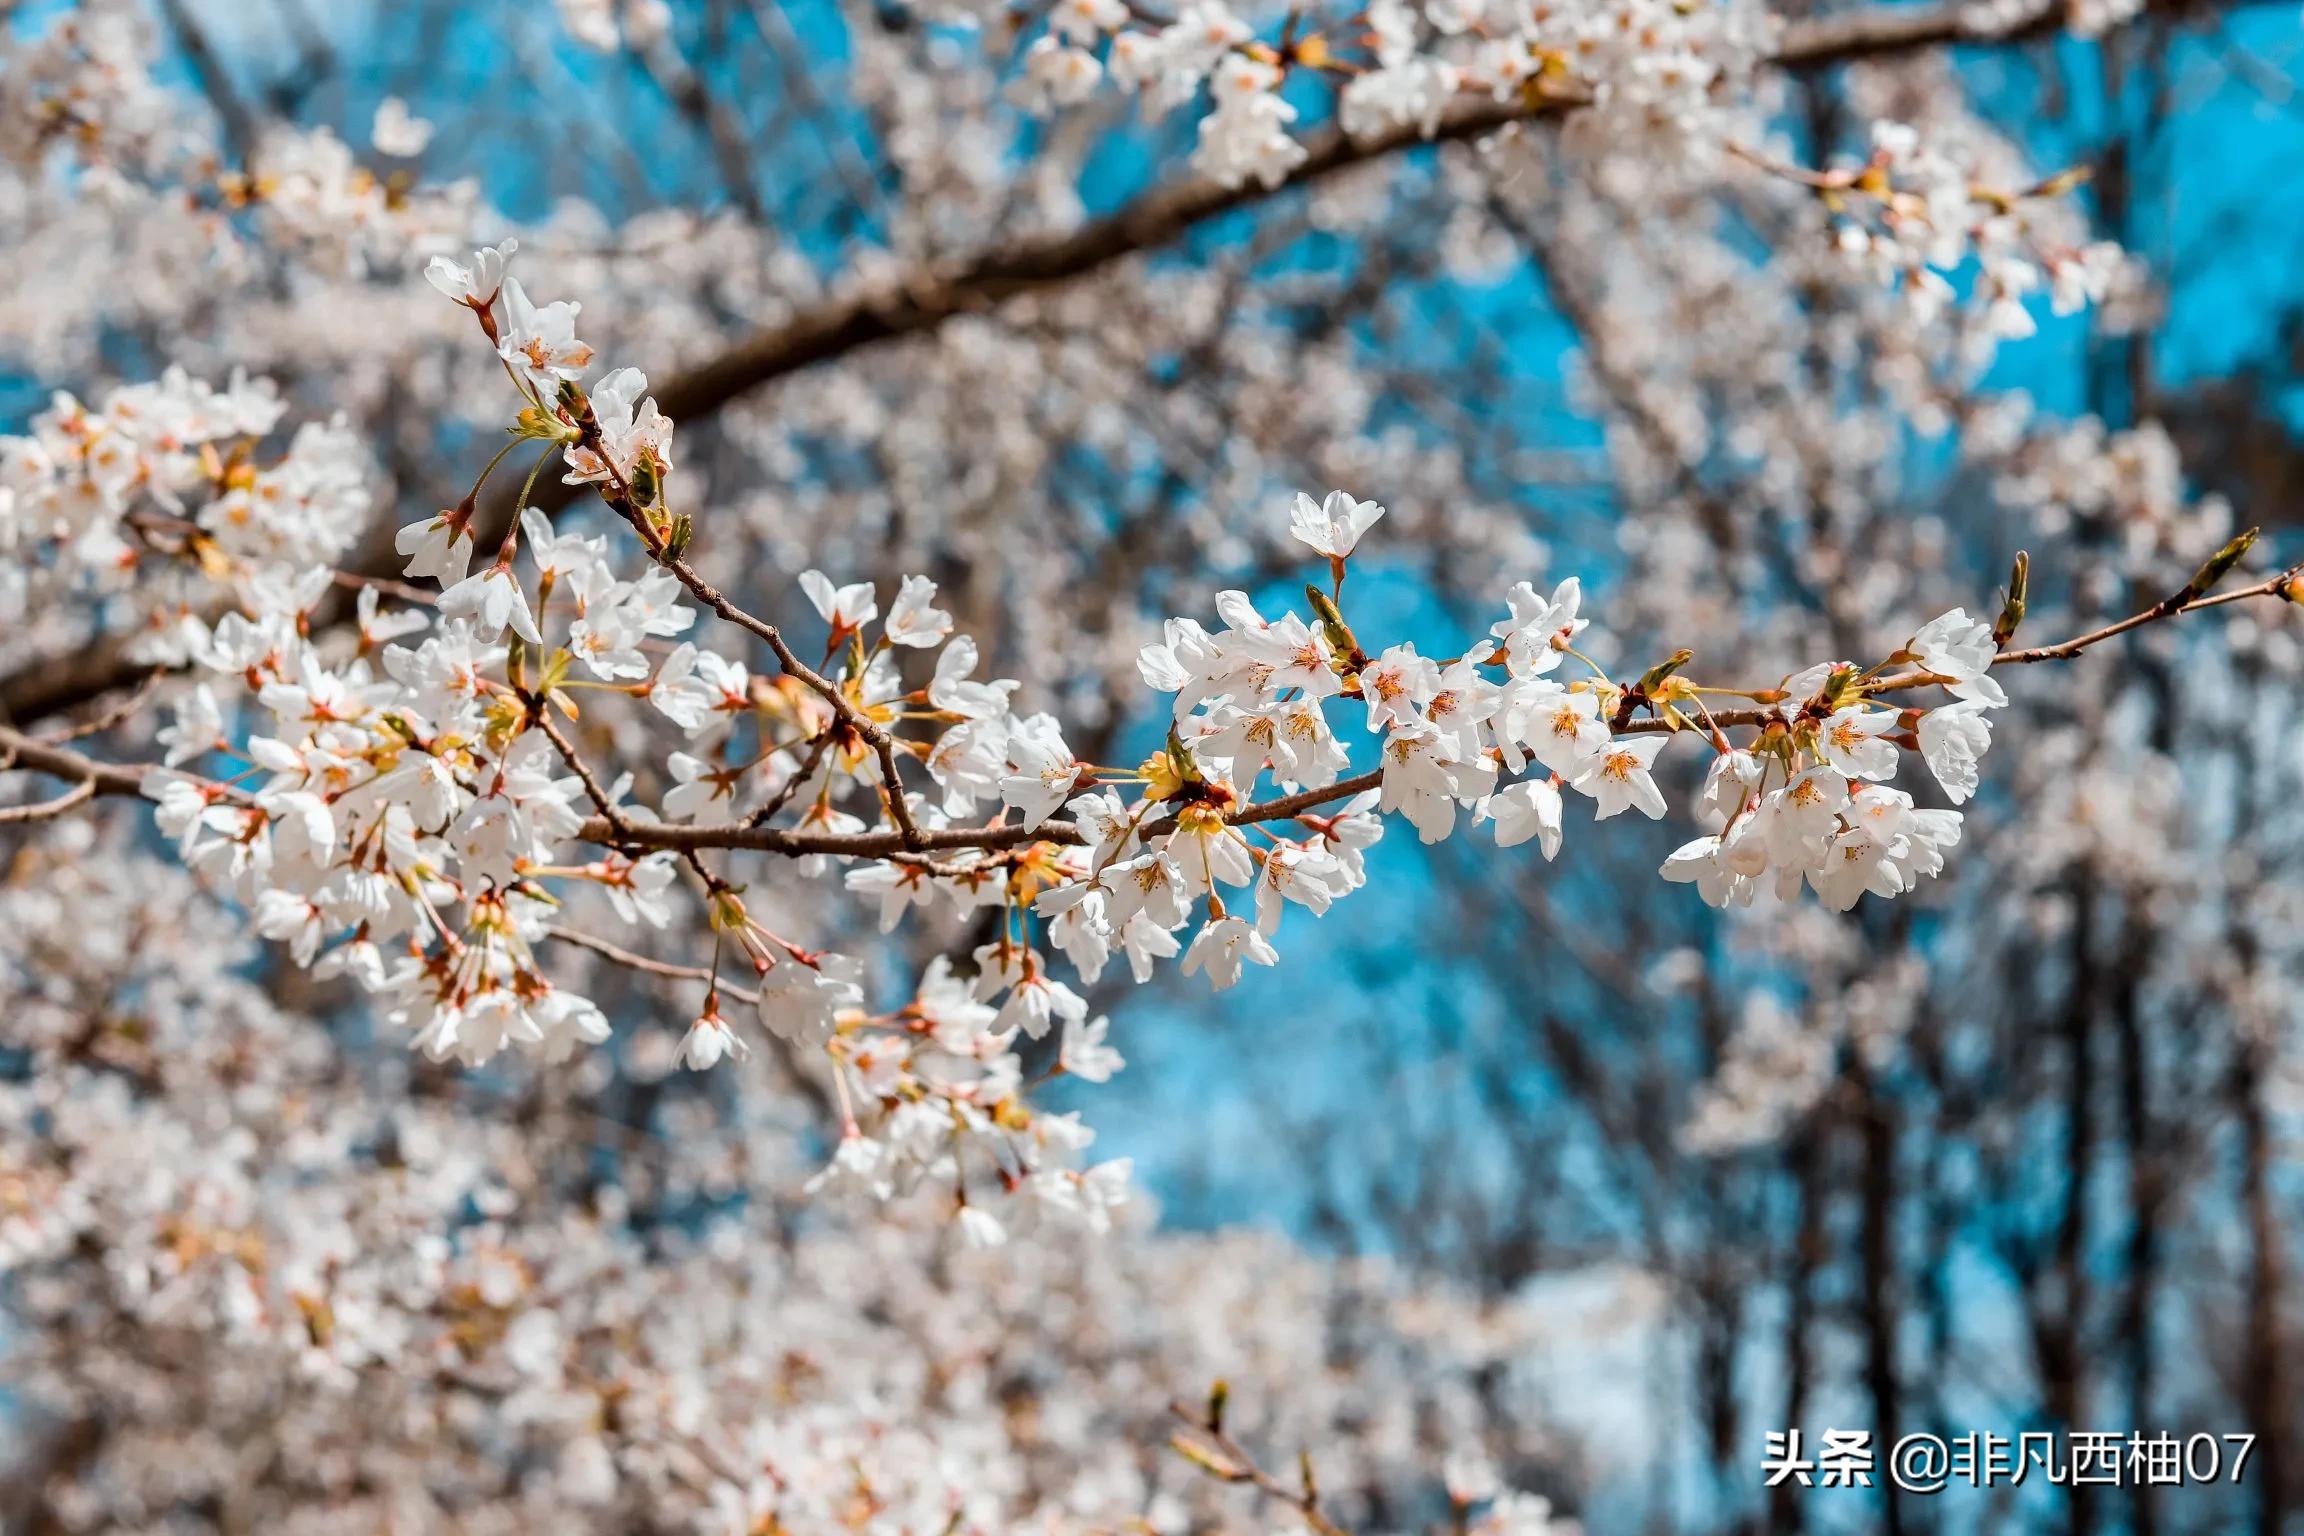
18 750
1165 215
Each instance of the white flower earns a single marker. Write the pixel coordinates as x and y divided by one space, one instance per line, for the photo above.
1702 863
1106 822
1037 1001
951 690
477 284
1207 852
438 547
1077 926
1729 784
914 619
1055 75
979 1228
1562 729
1043 771
1291 654
802 1003
1395 685
708 1040
1878 812
1854 741
1522 1514
1085 21
378 628
592 23
632 429
1144 941
198 728
1222 946
1085 1055
1415 91
1960 648
398 132
1853 864
1469 1477
1086 1199
540 345
1616 777
1530 808
2077 280
1312 878
1332 527
1920 851
1246 138
1149 884
1462 708
491 600
861 1166
692 686
1421 780
1800 819
847 609
1537 636
701 786
1953 740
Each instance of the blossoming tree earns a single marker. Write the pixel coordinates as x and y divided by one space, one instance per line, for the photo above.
999 623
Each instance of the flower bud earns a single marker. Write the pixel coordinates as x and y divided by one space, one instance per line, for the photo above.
2214 570
1180 759
2012 611
1653 678
1340 638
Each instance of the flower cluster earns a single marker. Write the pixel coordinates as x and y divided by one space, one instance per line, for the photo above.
83 87
1501 732
308 191
418 810
1810 799
406 814
1913 213
164 487
1643 65
521 787
205 1241
606 25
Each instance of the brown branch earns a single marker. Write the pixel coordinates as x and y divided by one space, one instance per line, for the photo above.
619 497
1216 1453
1165 215
883 745
18 750
2281 586
21 751
880 845
786 1056
46 810
619 826
643 963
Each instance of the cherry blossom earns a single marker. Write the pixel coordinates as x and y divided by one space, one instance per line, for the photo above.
823 792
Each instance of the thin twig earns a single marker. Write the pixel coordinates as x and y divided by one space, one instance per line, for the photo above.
620 499
19 750
44 810
637 962
1224 1458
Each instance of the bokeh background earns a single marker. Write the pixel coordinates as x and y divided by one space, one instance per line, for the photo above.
2017 1154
